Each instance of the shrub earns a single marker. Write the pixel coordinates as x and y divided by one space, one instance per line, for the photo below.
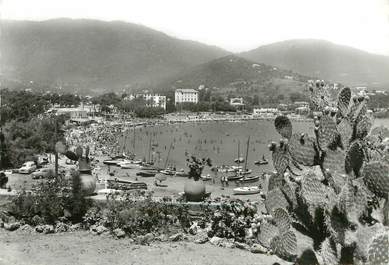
50 200
138 215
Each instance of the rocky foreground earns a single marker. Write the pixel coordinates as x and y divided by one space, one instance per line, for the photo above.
81 247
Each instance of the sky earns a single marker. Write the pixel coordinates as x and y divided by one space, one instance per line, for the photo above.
235 25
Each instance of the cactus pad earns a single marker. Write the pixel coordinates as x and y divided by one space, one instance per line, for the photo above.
289 191
283 126
267 233
327 133
345 131
275 181
280 157
275 199
379 249
363 127
282 219
354 158
313 191
302 149
329 253
285 245
376 177
334 161
352 201
344 98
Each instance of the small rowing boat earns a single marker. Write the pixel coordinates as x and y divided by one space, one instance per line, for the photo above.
246 190
146 174
234 177
249 179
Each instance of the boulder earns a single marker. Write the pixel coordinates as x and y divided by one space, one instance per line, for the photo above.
176 237
258 248
61 227
241 245
216 240
119 233
12 226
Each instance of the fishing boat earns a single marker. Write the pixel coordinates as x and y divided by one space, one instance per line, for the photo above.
234 177
181 173
206 177
128 165
113 161
239 159
146 173
246 190
121 184
261 162
249 179
168 172
245 172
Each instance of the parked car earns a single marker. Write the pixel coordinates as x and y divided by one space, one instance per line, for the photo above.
27 167
43 173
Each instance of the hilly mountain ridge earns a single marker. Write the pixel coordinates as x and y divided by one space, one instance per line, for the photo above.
325 60
95 54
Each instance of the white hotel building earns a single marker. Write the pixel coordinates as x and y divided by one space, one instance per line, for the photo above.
186 95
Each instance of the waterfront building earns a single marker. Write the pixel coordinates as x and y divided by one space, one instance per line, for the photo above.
186 95
152 100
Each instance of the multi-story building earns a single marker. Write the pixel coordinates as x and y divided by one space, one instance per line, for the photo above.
186 95
151 100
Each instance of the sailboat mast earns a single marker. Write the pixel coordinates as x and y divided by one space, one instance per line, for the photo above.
133 140
247 154
168 153
149 150
238 149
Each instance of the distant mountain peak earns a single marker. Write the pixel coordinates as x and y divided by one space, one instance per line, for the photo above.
327 60
93 54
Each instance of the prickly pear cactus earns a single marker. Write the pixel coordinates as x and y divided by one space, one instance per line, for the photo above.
302 148
344 98
282 219
267 232
283 126
285 245
275 199
376 177
280 157
337 206
329 253
378 253
326 132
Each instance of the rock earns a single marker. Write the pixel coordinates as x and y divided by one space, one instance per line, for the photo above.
201 239
27 228
193 229
163 238
176 237
216 240
241 245
119 233
75 227
149 237
12 226
258 248
39 228
46 229
1 223
98 229
61 227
